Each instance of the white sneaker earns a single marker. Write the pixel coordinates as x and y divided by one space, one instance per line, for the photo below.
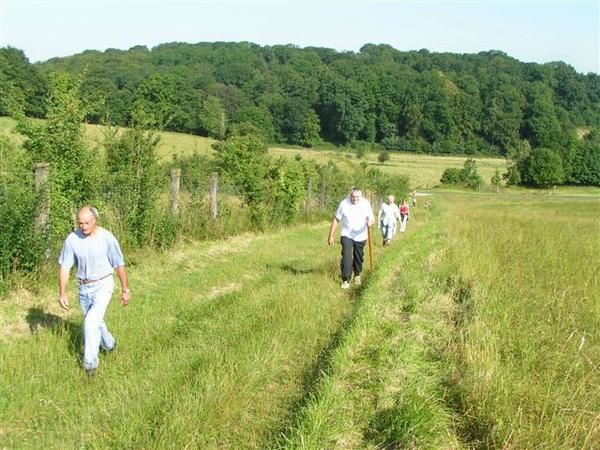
345 285
357 280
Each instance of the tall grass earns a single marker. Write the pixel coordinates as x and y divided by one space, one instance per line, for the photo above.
525 277
216 346
384 387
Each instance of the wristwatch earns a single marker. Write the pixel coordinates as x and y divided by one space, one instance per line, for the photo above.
125 291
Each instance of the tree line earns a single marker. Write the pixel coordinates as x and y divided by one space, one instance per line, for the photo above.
123 178
418 101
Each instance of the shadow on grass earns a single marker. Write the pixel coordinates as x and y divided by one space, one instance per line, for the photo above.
38 319
300 270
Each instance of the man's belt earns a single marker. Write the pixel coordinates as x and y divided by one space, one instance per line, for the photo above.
93 281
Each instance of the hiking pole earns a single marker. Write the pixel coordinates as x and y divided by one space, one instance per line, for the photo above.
370 245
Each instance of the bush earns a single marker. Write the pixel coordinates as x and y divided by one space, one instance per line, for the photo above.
21 248
383 156
451 175
468 176
543 168
134 183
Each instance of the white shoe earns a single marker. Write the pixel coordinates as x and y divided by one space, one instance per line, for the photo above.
345 285
357 280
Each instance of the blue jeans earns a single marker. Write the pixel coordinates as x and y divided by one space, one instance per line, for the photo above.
93 300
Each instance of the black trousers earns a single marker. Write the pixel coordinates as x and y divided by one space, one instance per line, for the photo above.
352 257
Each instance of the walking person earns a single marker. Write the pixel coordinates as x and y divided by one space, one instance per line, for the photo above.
413 195
387 218
97 254
404 215
356 215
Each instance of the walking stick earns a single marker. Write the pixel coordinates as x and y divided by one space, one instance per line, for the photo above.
370 245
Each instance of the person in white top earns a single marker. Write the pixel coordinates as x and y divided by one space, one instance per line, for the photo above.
355 214
388 216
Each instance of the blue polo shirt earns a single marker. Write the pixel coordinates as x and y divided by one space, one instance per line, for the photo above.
95 256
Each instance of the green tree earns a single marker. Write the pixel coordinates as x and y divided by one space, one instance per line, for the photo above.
468 176
542 126
170 101
586 160
543 168
383 156
134 182
212 118
496 180
260 118
20 246
287 190
21 84
243 160
75 171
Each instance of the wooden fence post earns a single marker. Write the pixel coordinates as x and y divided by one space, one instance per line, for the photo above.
42 171
175 182
308 196
213 195
322 196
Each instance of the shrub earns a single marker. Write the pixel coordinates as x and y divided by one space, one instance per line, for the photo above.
451 175
468 176
20 245
383 156
543 168
134 183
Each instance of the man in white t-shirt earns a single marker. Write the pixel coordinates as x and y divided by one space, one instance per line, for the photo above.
355 214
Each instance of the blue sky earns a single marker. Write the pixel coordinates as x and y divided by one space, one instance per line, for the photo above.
531 31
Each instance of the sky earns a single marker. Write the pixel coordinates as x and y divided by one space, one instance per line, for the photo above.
530 31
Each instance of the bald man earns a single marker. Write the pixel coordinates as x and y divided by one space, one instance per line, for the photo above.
97 255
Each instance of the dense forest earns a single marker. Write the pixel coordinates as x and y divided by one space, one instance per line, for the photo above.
419 101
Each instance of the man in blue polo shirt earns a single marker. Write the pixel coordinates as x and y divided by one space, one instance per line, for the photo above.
97 254
356 215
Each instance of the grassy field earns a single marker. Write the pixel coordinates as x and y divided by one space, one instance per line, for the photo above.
170 143
525 273
478 329
424 171
219 341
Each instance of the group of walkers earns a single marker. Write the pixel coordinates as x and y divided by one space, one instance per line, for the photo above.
97 255
356 216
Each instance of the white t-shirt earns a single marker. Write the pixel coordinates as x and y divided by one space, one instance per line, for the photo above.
388 214
354 218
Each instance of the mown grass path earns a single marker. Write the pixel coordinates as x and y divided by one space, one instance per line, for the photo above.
221 342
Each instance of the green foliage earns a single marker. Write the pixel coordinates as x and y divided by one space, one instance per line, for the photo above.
21 247
585 161
169 100
543 168
134 183
408 101
287 190
258 117
452 175
212 118
496 179
75 171
468 176
21 85
383 156
244 161
383 184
